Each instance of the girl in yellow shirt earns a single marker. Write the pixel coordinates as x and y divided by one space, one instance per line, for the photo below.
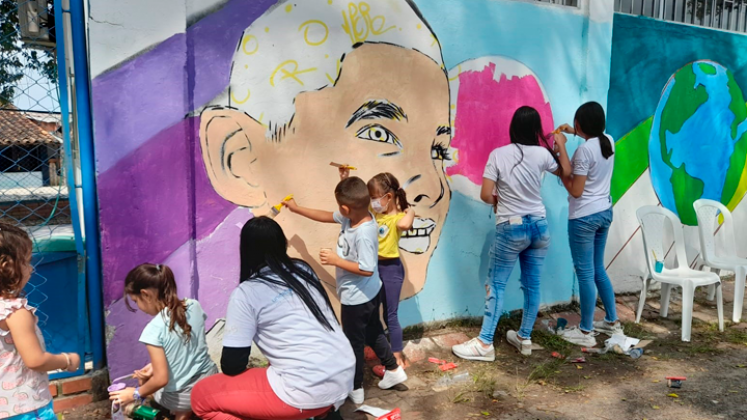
394 216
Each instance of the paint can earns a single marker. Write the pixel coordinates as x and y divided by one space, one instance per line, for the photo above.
658 266
116 410
142 412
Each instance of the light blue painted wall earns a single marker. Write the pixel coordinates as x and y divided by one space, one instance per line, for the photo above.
570 54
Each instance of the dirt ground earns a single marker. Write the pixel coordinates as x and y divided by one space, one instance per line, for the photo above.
606 387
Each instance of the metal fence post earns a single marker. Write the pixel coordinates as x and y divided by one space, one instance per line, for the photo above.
88 176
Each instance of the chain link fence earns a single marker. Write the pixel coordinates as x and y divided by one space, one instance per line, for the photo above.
34 190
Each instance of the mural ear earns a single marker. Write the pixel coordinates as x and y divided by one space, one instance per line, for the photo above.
230 140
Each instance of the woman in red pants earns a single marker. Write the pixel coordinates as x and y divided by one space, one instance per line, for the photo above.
281 306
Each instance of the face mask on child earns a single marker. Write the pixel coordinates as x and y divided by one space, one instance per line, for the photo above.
377 206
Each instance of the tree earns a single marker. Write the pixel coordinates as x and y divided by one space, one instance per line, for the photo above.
703 8
18 56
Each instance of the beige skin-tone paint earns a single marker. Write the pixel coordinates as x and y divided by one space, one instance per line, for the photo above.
251 170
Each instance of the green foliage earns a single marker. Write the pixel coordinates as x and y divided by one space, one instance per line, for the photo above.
16 58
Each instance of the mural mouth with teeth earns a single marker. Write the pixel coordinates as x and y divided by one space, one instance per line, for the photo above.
418 239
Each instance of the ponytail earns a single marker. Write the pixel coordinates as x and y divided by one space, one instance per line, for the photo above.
388 183
591 120
159 278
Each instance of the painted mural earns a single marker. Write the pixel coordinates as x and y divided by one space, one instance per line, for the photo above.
680 115
251 103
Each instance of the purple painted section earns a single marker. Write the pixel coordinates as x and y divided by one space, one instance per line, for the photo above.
180 263
145 201
124 353
137 100
218 267
144 206
218 264
147 180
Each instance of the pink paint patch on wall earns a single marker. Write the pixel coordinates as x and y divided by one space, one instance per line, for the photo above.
488 92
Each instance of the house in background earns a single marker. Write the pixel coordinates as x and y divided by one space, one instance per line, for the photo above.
32 188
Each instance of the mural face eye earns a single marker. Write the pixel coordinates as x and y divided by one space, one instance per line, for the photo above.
439 152
379 134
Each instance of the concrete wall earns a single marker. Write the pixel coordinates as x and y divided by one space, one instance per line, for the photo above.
677 110
187 97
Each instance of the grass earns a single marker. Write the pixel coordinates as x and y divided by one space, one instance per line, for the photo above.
712 334
545 370
637 330
483 382
571 389
419 331
552 342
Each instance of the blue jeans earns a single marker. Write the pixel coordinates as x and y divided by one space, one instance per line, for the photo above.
528 243
588 237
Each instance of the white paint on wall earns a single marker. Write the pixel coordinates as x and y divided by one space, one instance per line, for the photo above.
123 29
196 9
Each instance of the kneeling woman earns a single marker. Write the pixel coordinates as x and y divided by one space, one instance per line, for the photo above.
281 306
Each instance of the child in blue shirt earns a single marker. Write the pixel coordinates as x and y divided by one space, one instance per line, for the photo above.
175 339
358 282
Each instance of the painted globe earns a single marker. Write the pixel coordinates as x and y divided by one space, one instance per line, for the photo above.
698 142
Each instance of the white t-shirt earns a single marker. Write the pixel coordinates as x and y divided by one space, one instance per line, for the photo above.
589 162
310 366
359 244
519 180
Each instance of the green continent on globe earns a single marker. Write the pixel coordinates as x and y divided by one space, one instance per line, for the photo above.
683 101
737 161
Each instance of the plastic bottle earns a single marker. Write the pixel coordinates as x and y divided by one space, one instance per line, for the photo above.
117 411
636 353
448 380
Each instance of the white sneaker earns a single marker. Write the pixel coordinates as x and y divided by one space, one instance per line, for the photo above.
524 346
474 350
356 396
610 330
392 378
576 336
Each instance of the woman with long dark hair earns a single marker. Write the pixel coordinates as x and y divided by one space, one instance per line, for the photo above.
590 217
516 172
282 307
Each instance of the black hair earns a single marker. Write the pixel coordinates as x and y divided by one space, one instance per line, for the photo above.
263 244
591 120
526 129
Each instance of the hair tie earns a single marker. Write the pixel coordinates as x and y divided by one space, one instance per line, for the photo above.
158 267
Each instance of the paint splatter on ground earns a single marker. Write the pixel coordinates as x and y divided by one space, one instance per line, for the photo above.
542 387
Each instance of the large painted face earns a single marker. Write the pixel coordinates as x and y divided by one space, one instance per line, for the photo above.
387 112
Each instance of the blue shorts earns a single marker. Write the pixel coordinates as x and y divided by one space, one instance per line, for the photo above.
44 413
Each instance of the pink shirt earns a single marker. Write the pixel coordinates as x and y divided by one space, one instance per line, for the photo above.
23 390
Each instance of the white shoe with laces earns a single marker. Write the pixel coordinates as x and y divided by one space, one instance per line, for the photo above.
524 346
474 350
576 336
393 377
605 327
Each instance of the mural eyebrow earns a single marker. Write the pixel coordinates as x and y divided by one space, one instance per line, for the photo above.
444 129
376 109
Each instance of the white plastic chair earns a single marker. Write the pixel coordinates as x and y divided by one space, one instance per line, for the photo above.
653 220
708 212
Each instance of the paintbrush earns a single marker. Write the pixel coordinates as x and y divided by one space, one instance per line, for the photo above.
275 210
338 165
